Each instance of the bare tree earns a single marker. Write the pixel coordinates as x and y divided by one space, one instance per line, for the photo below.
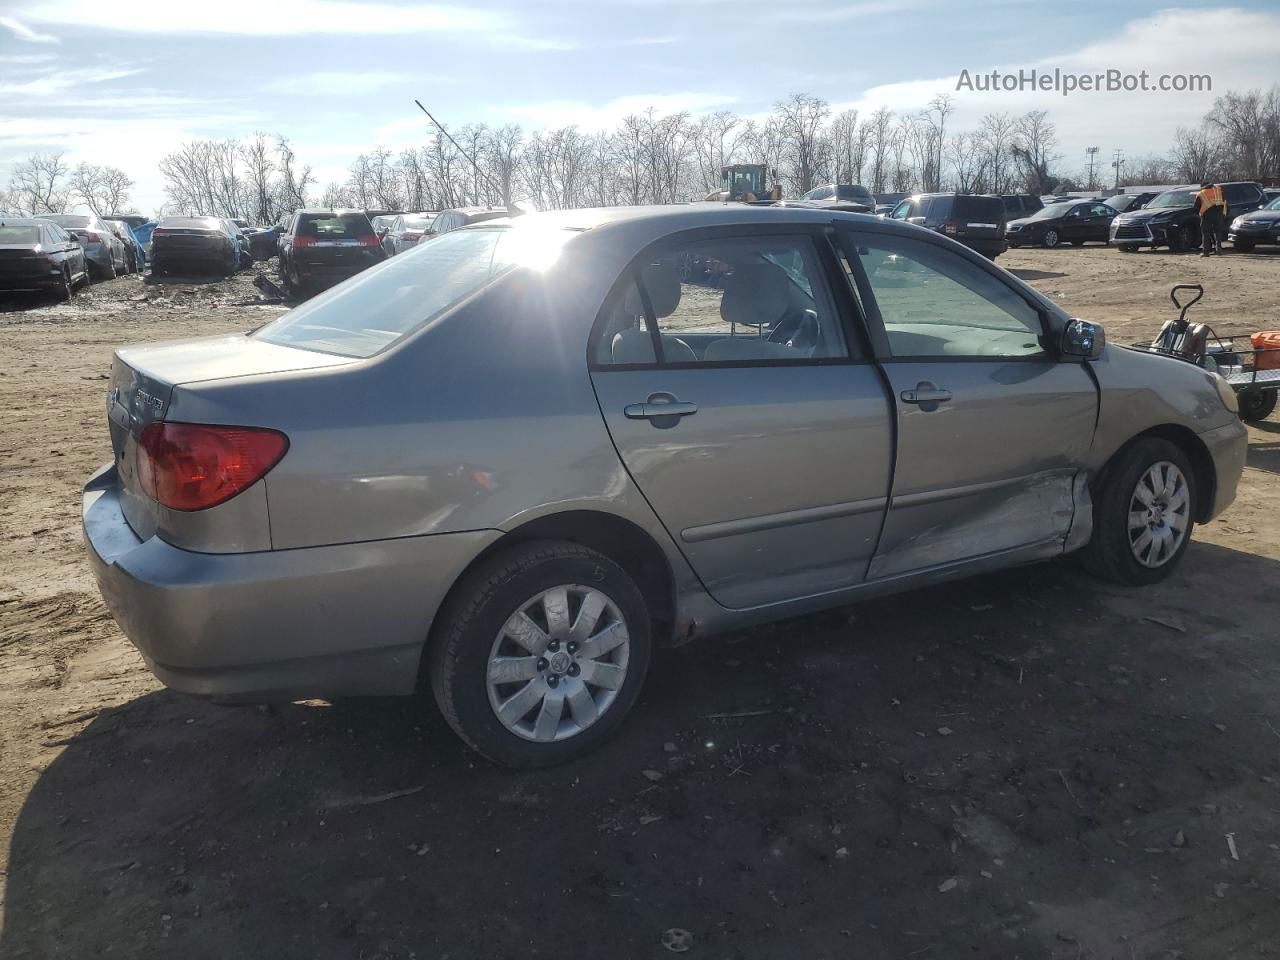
104 190
1034 142
806 150
996 134
1249 127
261 167
935 118
40 184
965 153
879 141
1195 153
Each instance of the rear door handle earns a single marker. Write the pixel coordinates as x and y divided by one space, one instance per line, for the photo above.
659 405
923 394
650 411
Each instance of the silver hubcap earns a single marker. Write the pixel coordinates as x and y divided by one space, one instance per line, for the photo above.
1051 238
558 663
1159 512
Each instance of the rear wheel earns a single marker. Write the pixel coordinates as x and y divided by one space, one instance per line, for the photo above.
540 652
1143 514
1256 404
1050 238
65 289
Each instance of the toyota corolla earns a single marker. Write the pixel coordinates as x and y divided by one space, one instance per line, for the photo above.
507 463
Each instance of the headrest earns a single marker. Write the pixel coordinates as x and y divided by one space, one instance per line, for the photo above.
755 294
662 283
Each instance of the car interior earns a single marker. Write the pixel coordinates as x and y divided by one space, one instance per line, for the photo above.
727 302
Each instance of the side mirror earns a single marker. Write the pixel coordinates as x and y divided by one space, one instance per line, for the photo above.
1083 340
383 231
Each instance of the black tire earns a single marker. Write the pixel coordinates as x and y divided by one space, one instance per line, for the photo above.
1242 246
65 291
110 272
1256 405
1178 240
1050 238
1077 243
1127 247
1109 555
458 651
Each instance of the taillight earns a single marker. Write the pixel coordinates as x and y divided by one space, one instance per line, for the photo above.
949 227
159 233
192 466
92 237
302 241
370 240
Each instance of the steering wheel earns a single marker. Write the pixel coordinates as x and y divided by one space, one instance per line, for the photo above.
800 331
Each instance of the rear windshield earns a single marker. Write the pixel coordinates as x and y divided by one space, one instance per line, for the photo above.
419 223
190 223
19 234
854 193
335 226
978 208
379 306
65 220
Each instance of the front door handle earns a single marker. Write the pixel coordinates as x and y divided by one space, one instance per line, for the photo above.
926 395
659 405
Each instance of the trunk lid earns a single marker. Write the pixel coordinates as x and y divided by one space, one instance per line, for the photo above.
142 382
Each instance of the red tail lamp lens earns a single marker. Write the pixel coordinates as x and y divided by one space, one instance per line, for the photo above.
192 466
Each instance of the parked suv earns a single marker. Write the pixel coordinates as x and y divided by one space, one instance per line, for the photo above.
1019 205
1170 220
319 248
976 221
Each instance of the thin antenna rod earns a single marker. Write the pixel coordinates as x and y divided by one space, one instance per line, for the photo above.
475 166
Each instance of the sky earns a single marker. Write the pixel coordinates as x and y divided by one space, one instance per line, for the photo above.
123 84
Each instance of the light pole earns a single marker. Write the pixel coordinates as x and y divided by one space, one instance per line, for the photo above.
1092 154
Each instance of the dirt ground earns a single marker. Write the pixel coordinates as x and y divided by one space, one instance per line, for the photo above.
1025 765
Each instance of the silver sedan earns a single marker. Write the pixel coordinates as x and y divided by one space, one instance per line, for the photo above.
507 463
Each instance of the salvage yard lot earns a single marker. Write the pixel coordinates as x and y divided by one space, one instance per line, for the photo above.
1028 764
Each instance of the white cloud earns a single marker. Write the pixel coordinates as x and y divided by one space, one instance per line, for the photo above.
347 84
563 113
58 81
1239 53
273 18
26 33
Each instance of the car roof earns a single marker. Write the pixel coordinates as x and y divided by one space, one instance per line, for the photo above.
23 221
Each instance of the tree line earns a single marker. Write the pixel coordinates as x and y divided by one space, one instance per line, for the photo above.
651 157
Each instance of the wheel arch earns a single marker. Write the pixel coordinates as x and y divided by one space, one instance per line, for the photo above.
1205 476
624 542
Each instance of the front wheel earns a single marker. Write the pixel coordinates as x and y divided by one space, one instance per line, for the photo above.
539 654
1143 514
1050 238
1256 404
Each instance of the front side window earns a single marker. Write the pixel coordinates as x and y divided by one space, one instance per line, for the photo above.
935 303
728 301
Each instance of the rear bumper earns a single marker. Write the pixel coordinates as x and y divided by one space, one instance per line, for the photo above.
341 620
988 248
1228 445
32 278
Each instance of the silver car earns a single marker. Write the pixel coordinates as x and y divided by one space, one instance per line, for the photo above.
104 252
506 463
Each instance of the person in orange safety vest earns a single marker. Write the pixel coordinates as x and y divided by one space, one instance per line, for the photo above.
1212 208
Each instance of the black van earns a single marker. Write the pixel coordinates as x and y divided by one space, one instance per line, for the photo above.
977 222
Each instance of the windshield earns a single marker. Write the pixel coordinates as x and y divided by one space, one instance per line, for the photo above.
376 308
1174 198
1051 211
418 223
1273 205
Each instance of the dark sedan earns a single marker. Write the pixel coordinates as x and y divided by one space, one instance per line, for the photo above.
1124 202
39 255
1074 223
1259 227
200 243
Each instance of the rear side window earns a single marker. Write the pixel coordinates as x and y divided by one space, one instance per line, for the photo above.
731 301
376 308
338 226
855 193
978 209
